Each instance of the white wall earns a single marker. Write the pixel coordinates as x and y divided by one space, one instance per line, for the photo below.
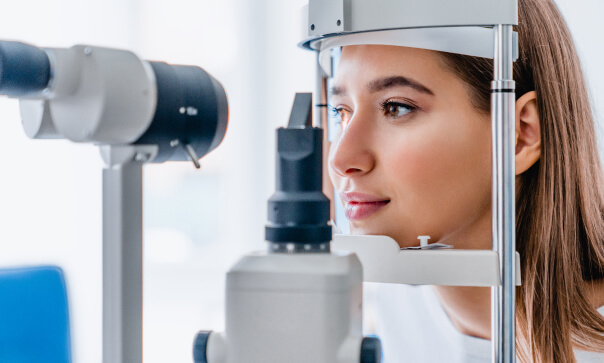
197 222
584 20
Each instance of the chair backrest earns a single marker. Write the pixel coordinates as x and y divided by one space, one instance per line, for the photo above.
34 316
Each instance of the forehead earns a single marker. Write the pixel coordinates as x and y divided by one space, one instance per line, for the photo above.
360 64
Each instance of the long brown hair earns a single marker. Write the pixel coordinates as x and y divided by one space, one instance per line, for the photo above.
560 199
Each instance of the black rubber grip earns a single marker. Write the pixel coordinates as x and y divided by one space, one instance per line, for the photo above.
371 350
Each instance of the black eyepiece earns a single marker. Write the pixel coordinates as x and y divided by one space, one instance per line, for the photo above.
24 69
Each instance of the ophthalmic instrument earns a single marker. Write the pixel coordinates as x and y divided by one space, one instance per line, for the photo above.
137 112
300 300
471 27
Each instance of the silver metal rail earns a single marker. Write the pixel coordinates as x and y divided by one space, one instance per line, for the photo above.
503 298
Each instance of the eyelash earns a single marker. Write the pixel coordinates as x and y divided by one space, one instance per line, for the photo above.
389 103
335 113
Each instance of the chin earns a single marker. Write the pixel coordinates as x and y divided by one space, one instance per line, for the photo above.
361 230
369 231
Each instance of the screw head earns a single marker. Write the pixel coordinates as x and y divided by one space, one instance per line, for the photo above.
141 157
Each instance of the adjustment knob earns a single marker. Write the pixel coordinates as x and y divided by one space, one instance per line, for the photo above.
200 346
371 350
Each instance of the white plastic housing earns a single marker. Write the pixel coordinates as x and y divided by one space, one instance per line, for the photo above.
336 16
460 26
36 119
96 94
384 261
296 308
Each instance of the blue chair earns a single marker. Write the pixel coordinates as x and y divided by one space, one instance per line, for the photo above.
34 316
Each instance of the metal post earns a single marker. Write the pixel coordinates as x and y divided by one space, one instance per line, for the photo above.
320 99
122 262
320 120
503 303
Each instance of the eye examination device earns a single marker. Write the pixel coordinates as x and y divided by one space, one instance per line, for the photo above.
270 284
470 27
137 112
300 300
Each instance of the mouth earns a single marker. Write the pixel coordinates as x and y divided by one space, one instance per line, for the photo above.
359 206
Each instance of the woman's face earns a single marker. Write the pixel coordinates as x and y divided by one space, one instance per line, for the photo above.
412 155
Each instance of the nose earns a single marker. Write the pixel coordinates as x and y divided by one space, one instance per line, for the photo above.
352 154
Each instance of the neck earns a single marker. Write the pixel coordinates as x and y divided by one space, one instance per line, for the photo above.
469 308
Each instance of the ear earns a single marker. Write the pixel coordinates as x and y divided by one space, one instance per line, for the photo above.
528 132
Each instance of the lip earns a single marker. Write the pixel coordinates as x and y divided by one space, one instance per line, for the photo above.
359 206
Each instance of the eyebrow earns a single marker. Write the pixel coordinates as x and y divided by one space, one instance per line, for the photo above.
381 84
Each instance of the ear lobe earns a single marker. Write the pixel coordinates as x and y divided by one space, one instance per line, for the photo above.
528 132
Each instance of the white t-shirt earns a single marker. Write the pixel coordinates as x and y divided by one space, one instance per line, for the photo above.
413 327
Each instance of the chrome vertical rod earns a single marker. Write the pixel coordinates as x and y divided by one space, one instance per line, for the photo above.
122 263
320 97
503 303
320 119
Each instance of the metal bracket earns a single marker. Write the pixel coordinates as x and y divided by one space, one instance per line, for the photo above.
326 17
115 155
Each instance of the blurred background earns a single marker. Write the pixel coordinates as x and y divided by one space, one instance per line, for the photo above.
196 223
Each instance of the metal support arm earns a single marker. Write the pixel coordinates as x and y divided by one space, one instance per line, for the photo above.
123 252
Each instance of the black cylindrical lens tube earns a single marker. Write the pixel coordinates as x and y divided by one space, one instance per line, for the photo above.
191 109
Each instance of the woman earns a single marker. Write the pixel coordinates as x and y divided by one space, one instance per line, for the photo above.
413 157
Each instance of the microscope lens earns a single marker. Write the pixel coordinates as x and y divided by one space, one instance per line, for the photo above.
191 112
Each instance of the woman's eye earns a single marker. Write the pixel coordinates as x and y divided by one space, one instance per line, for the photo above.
396 109
340 115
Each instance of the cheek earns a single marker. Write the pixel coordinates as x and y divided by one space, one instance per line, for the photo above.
444 166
